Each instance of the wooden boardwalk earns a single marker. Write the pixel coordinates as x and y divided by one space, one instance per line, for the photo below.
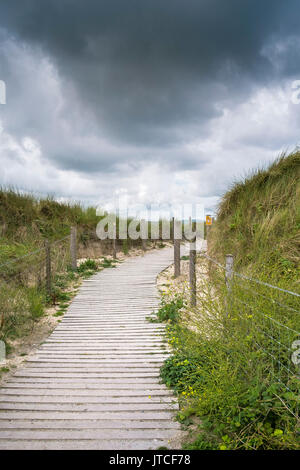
94 384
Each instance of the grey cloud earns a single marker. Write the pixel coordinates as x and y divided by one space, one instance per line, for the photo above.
144 68
109 87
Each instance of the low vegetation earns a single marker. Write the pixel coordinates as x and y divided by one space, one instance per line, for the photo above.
234 362
169 311
23 306
258 221
224 374
25 223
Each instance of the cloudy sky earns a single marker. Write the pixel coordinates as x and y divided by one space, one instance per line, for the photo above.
167 101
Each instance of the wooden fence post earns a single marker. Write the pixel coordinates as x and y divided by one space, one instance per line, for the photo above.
144 233
229 271
39 277
176 249
208 229
192 269
172 229
73 248
48 267
114 242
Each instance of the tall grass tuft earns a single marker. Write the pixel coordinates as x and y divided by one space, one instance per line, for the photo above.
233 363
258 221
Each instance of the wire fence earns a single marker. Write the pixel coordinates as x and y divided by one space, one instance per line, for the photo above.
43 276
267 318
41 265
28 283
30 269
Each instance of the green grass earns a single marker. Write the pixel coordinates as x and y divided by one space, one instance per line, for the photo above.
88 265
258 221
21 306
161 245
108 263
204 443
224 379
34 216
36 302
170 312
25 222
231 363
59 313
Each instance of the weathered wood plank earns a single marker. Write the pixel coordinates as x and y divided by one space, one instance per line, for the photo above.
94 384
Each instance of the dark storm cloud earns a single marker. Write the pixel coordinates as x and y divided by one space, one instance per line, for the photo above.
152 74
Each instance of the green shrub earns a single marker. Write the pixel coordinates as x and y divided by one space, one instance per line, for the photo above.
203 443
59 313
179 369
170 311
108 263
88 265
223 367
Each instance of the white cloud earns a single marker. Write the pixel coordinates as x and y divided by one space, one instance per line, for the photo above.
43 120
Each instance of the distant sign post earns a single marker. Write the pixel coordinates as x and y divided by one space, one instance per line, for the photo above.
209 220
208 223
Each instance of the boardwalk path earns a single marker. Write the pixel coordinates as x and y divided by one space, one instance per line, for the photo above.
94 384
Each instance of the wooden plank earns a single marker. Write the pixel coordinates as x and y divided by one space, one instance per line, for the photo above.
94 383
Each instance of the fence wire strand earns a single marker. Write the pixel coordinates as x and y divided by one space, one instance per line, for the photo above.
272 324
